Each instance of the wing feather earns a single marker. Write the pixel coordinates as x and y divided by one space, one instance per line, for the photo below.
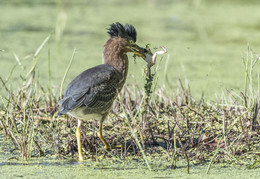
92 89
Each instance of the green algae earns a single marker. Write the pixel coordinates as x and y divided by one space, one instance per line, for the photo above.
203 42
131 167
112 169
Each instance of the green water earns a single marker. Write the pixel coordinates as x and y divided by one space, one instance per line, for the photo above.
106 169
49 167
85 171
206 40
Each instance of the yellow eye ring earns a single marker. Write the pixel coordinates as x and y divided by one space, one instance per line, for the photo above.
131 42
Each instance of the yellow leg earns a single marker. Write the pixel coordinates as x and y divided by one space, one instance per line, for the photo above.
103 140
78 134
101 136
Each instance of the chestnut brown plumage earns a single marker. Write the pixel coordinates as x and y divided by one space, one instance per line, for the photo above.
91 94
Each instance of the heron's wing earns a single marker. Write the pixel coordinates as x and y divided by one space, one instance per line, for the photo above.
93 88
71 102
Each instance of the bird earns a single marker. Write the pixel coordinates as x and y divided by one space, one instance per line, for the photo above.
91 94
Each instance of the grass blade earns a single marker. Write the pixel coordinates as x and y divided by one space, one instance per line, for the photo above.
41 46
67 70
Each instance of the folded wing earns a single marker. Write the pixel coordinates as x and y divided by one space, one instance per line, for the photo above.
94 89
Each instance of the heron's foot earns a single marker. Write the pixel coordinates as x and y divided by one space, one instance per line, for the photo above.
107 147
101 157
81 157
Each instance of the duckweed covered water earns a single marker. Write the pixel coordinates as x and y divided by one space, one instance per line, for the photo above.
204 39
107 169
48 167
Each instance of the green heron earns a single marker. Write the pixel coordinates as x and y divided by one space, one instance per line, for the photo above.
91 93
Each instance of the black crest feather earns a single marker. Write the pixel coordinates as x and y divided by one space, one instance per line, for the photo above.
118 30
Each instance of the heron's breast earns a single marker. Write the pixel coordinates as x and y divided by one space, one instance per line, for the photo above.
80 114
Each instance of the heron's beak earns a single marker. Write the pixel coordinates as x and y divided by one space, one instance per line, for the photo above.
138 51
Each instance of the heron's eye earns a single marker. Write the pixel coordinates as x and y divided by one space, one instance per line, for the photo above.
131 42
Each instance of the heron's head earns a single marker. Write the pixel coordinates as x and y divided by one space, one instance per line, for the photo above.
124 37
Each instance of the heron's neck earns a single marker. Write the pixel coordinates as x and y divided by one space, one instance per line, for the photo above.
115 55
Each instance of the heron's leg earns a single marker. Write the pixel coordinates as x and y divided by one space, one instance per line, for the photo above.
102 138
78 134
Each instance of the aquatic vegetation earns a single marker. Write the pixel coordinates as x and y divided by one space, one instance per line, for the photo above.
169 128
